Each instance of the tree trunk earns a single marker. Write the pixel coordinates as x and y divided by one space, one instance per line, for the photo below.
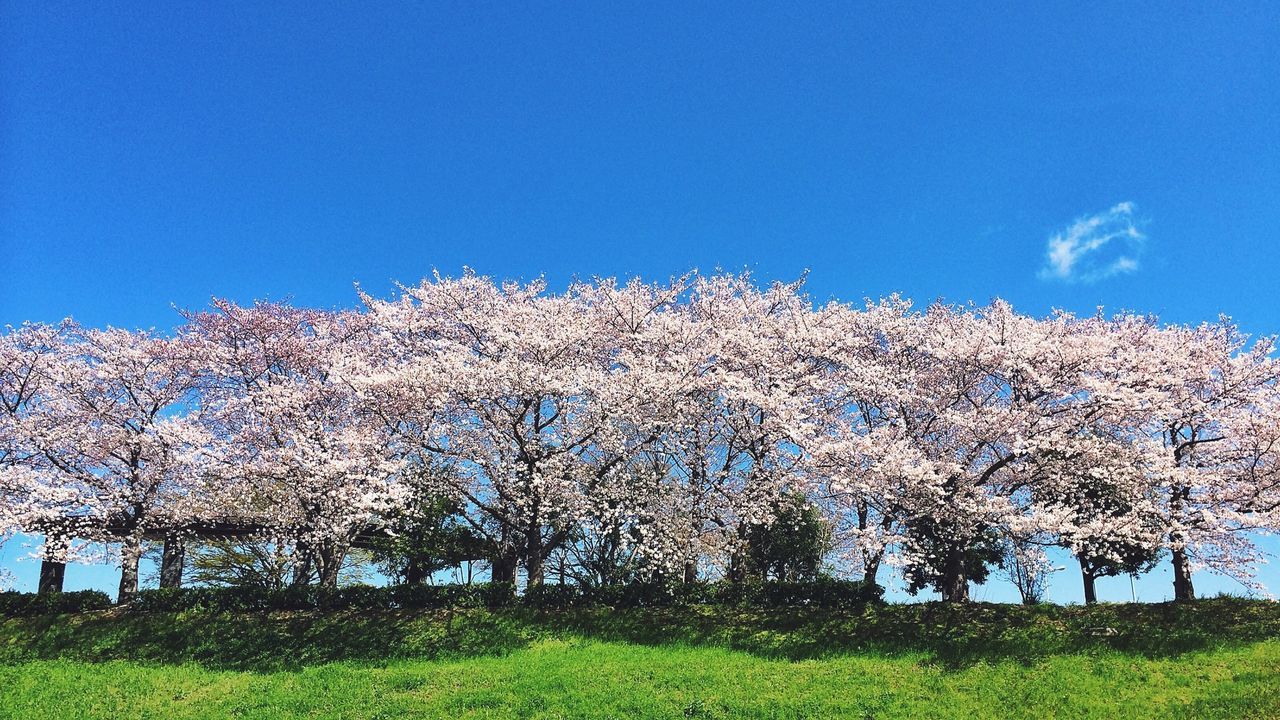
1090 587
503 566
413 573
171 561
955 586
872 559
53 568
329 575
1182 588
130 552
870 569
51 576
302 565
534 567
690 572
331 564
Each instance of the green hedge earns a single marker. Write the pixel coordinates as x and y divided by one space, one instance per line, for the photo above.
821 593
15 604
354 597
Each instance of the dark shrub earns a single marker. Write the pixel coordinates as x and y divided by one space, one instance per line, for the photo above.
820 593
14 604
554 596
310 597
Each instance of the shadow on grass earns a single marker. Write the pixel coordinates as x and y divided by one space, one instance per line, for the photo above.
947 635
952 636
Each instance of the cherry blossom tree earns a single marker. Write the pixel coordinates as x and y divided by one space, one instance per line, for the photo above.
859 365
1094 499
723 372
1201 408
25 354
28 354
106 439
498 382
1028 568
589 407
730 451
292 445
945 425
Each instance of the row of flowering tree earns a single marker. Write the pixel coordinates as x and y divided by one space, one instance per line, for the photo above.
649 427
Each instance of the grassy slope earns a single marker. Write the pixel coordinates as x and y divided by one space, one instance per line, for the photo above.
1212 659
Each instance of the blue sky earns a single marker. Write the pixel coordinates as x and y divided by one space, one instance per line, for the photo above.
157 156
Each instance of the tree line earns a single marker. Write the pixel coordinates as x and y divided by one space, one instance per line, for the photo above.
636 431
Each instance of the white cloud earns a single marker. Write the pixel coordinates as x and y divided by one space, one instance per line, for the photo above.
1095 247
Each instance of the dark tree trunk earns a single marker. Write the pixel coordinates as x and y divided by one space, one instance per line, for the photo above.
130 552
534 565
52 572
691 564
413 572
51 576
1090 586
330 564
328 576
171 561
869 574
871 568
302 565
955 586
503 566
871 560
1182 588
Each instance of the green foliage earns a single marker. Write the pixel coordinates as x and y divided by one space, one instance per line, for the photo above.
932 542
240 563
1105 555
820 593
261 563
1110 557
427 535
792 546
17 604
314 597
823 593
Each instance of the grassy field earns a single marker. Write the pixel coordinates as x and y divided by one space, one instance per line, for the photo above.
1215 658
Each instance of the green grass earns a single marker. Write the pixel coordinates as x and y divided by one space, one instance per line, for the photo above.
1217 658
